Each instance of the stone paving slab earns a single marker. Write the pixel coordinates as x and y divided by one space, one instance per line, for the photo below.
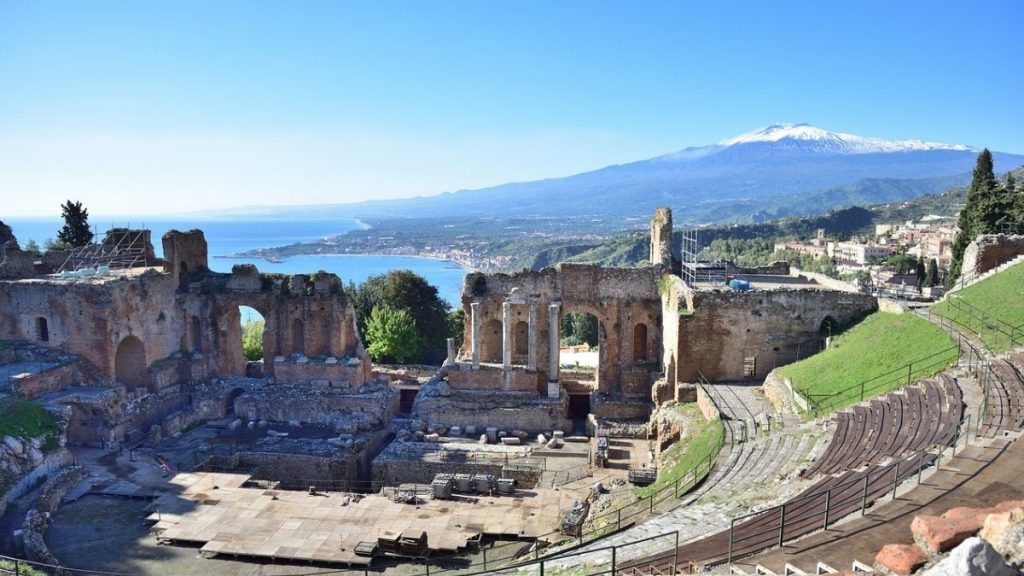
218 511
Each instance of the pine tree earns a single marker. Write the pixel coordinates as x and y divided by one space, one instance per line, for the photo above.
76 231
931 277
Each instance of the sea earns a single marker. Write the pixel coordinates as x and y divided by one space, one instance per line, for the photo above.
226 237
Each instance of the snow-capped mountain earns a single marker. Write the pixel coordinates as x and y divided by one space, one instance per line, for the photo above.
835 142
781 170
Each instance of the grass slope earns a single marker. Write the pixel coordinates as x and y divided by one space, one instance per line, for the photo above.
874 353
702 440
23 419
992 308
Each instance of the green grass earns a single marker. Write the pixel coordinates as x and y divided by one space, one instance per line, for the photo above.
874 353
992 308
23 419
702 440
23 569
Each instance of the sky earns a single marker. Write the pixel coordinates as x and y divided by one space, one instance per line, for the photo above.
174 106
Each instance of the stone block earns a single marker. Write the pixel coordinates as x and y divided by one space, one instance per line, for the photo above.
941 534
455 431
510 441
1005 532
330 360
973 557
901 559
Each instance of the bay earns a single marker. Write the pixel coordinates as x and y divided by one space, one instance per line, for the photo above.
227 237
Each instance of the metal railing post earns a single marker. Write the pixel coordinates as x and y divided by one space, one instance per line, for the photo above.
675 554
864 495
782 523
613 560
920 466
828 502
895 479
732 527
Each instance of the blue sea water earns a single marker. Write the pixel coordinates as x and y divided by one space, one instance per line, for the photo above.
226 237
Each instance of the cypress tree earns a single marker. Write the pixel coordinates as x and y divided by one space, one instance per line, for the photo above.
75 232
980 199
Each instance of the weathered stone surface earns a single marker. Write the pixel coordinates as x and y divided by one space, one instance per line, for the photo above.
14 445
901 559
1005 532
973 557
941 534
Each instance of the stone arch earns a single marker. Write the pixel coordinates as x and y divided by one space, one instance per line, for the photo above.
42 329
229 402
828 326
491 344
521 339
298 337
640 343
130 363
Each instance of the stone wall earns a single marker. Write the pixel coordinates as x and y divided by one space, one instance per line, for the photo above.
344 374
768 327
487 377
624 301
504 410
707 405
990 250
32 386
293 471
337 408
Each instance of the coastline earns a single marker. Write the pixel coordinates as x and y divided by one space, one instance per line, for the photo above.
467 266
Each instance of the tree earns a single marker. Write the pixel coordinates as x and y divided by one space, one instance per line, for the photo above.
456 324
405 290
33 248
76 224
920 271
579 328
392 335
931 276
252 340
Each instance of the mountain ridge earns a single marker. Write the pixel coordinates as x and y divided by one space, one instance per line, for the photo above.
768 171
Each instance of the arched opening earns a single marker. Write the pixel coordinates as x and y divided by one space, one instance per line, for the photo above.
183 278
479 285
640 343
229 402
130 363
42 330
298 337
828 327
521 341
252 327
580 360
195 334
491 341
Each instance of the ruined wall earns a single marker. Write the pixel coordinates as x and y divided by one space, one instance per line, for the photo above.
32 386
346 374
990 250
347 411
293 471
91 318
620 299
728 328
504 410
661 237
494 378
305 316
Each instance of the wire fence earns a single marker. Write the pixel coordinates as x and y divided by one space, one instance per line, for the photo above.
929 365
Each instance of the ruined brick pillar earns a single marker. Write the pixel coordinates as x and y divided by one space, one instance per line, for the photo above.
661 236
474 319
506 335
553 352
531 362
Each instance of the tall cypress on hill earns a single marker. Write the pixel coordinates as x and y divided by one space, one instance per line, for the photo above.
971 222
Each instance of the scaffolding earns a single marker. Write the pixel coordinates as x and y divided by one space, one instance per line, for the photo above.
121 249
689 251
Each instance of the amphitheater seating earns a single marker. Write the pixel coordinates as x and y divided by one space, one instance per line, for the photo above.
1004 400
803 514
892 426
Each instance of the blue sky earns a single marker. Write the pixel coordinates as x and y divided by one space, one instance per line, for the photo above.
139 107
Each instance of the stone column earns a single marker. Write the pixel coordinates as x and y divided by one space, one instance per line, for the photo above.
506 335
474 319
553 355
531 362
450 359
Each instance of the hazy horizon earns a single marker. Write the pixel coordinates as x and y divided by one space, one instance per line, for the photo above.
179 107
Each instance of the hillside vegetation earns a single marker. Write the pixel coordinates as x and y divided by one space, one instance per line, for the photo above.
992 308
872 357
